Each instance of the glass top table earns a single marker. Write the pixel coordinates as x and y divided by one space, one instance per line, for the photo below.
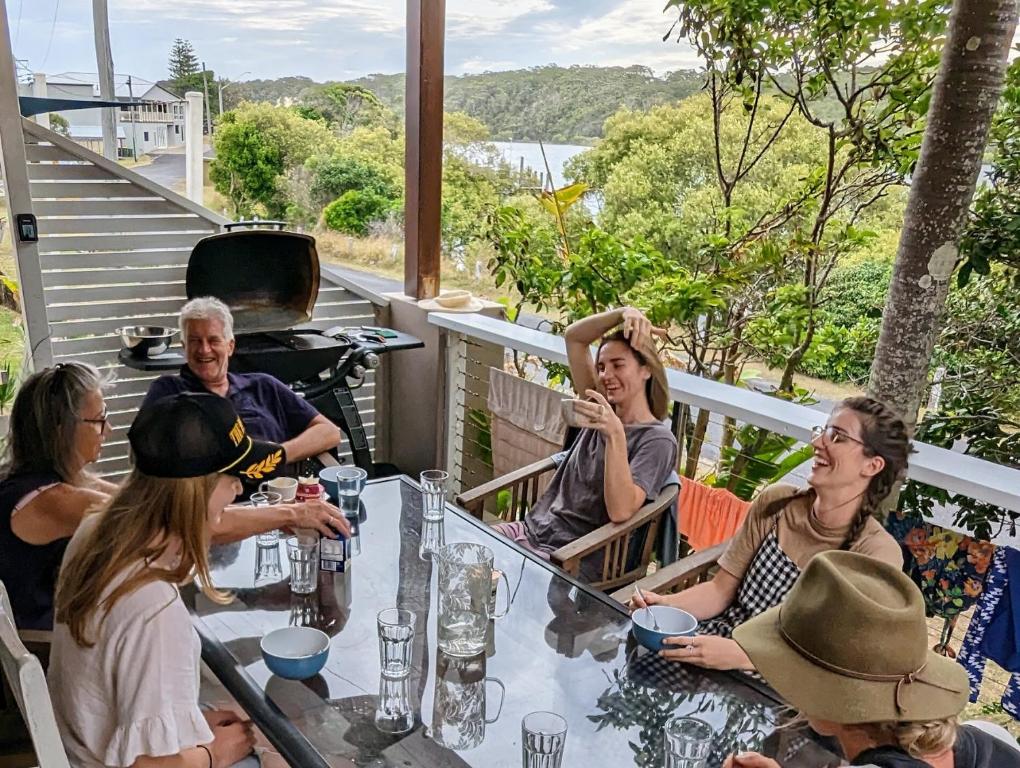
561 647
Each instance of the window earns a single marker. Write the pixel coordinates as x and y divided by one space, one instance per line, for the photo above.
177 129
145 136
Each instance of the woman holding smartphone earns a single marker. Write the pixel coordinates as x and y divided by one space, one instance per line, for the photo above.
624 454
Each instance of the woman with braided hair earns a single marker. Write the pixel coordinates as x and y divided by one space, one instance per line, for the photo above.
859 455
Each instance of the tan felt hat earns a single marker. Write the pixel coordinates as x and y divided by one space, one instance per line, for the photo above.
850 645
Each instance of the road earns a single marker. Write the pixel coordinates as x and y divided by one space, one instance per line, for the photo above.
167 168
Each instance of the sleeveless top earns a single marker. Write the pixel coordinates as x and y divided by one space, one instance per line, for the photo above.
769 577
28 571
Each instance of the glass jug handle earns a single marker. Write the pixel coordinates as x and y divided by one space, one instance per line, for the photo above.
502 695
506 583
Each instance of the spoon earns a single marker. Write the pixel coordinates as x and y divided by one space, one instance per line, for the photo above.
655 621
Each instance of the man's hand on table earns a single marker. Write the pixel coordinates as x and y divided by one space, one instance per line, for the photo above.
319 515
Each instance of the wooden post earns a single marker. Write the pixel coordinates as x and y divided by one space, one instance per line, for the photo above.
19 201
424 146
104 59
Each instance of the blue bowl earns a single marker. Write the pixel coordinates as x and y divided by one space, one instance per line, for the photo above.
295 653
673 622
327 476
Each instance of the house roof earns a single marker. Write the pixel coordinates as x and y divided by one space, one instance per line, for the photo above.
92 132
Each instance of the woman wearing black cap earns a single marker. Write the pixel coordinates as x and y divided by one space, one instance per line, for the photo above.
124 667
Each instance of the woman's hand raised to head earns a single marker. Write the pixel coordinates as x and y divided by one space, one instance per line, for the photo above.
639 329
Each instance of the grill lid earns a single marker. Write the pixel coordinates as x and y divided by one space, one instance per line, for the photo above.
269 279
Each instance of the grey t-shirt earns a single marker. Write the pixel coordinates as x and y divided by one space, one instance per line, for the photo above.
574 504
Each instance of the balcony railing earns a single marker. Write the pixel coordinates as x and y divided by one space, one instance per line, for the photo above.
474 341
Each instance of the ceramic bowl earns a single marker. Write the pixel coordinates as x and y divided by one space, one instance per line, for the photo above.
673 622
453 298
295 653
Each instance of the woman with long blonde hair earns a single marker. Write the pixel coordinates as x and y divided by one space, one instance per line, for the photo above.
124 667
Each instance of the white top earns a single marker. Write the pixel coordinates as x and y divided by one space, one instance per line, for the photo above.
135 692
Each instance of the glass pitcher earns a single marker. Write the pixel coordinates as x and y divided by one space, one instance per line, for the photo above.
461 708
465 592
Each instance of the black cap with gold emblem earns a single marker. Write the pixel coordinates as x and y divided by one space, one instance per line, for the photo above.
195 434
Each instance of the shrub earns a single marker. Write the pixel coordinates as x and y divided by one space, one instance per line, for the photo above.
353 211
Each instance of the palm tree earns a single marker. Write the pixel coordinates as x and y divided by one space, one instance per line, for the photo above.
971 75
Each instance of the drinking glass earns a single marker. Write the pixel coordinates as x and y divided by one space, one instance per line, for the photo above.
268 569
687 742
396 631
349 483
433 538
266 499
304 564
433 493
394 713
543 735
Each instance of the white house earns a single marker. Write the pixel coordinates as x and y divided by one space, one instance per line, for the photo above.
157 124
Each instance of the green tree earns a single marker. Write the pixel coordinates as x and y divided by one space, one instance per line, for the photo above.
256 145
354 210
971 77
342 105
183 61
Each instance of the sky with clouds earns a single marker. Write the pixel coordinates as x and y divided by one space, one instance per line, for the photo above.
342 39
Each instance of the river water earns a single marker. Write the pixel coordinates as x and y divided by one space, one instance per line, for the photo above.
557 154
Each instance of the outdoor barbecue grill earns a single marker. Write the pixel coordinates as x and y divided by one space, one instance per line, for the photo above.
270 280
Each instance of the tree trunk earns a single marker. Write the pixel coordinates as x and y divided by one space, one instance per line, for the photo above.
965 95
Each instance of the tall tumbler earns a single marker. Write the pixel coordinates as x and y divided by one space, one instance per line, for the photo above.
687 742
433 493
543 736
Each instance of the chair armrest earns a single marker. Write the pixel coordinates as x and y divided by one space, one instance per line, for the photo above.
36 636
664 579
597 539
485 490
327 459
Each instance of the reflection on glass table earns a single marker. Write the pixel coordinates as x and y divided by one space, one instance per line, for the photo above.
560 648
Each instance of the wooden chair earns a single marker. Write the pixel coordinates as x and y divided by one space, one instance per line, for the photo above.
621 562
693 569
24 674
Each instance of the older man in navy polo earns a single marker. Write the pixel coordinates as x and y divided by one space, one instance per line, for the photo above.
268 408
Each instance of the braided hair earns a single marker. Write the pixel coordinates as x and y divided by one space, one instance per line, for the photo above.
884 434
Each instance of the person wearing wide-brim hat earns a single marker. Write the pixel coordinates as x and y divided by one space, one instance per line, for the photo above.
849 649
124 664
624 453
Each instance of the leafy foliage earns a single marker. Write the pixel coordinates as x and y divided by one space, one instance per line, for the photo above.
354 210
256 144
555 104
993 233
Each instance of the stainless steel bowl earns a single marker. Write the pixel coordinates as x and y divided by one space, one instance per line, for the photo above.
146 340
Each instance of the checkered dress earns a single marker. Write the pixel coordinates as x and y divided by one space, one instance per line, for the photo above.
767 580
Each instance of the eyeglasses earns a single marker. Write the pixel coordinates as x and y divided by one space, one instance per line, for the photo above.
103 420
834 435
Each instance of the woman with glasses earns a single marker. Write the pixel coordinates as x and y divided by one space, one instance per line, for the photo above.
859 455
57 428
